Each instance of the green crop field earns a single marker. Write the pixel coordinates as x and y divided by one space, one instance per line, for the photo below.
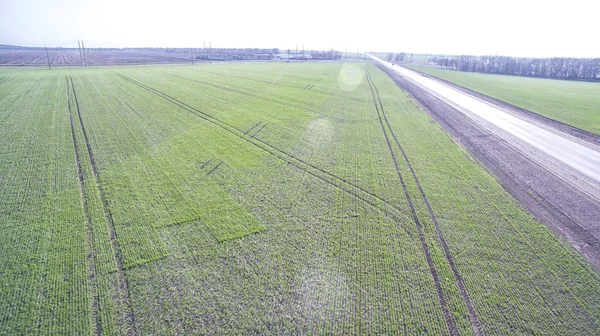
261 198
570 102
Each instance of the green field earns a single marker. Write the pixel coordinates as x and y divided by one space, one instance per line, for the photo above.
261 198
570 102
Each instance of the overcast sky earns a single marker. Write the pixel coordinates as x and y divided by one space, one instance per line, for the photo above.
507 27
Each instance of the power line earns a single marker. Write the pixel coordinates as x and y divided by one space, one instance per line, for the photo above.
84 57
48 57
80 54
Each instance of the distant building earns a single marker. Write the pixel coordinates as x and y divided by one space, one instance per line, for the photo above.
293 56
231 57
263 56
220 57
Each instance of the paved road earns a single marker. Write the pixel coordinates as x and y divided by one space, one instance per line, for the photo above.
584 159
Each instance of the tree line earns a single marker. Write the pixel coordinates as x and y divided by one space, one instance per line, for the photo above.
400 57
557 67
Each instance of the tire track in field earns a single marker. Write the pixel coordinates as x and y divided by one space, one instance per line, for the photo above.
260 129
307 87
90 257
247 94
432 270
246 78
338 182
477 327
123 289
251 128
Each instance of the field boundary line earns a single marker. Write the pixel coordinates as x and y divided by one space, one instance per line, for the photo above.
121 276
432 270
477 327
90 257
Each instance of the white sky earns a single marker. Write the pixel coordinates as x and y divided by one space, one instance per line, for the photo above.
507 27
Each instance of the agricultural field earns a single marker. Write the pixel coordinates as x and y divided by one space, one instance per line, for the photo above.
261 198
574 103
71 56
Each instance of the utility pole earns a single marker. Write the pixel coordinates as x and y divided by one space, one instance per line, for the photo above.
84 58
192 55
80 54
48 57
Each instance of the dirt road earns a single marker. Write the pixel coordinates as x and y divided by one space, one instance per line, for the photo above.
554 174
582 157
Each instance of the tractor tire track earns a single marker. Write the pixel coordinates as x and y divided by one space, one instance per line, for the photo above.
247 94
246 78
432 270
90 257
350 188
260 129
123 289
251 128
477 327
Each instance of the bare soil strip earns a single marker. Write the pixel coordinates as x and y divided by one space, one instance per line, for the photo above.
121 276
477 328
90 257
553 201
432 270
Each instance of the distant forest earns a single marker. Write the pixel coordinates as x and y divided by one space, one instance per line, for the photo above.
557 68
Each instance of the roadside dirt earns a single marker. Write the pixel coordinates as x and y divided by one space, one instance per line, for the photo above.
558 204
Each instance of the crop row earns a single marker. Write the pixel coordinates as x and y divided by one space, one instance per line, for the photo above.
329 261
253 206
43 277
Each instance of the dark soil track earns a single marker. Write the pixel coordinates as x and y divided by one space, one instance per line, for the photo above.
477 328
90 257
124 289
245 93
553 201
342 184
432 270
